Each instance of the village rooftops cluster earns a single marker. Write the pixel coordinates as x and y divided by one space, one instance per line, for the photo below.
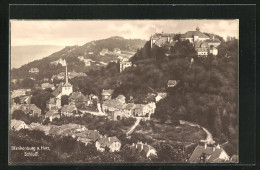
80 132
30 109
118 108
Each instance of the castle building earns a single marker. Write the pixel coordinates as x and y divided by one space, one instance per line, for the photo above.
162 39
194 36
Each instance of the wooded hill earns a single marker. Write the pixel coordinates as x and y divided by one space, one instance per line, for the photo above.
71 54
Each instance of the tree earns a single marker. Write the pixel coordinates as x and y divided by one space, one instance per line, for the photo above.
183 49
64 100
177 37
39 98
18 115
17 100
28 83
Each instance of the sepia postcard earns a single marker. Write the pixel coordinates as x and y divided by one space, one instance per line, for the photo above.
124 91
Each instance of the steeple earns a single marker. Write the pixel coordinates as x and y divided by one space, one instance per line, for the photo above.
67 80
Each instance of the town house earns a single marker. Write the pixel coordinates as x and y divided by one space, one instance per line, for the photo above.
112 143
18 125
212 154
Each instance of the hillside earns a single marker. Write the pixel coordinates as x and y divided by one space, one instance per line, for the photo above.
21 55
89 50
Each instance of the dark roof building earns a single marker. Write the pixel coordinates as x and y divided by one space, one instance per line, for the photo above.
209 154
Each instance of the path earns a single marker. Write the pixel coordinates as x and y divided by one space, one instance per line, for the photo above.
208 140
138 119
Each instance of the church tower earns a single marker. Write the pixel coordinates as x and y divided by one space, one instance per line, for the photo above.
67 88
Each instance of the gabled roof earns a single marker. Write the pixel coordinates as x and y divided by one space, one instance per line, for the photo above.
16 123
51 101
51 113
130 106
68 108
107 92
191 34
77 96
57 91
107 141
114 104
199 150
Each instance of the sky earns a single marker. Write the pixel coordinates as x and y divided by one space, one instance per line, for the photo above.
79 32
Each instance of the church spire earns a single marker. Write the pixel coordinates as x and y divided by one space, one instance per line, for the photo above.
66 74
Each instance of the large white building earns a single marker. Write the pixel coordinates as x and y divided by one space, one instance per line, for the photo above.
193 36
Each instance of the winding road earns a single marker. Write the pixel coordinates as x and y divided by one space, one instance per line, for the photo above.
138 119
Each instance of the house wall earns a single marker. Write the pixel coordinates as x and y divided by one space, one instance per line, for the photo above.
115 146
224 156
151 152
67 90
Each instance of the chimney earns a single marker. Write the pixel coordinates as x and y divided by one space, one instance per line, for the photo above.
142 146
109 139
213 148
136 146
133 144
213 37
205 145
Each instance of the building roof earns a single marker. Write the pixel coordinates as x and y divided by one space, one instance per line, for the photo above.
68 108
139 106
120 97
130 106
191 34
215 40
77 96
114 104
107 92
57 91
52 113
172 82
107 141
199 150
37 126
34 108
90 134
16 123
162 95
138 147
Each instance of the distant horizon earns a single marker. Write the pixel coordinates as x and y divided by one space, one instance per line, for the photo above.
79 32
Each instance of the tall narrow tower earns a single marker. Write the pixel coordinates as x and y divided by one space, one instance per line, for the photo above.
66 74
67 88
